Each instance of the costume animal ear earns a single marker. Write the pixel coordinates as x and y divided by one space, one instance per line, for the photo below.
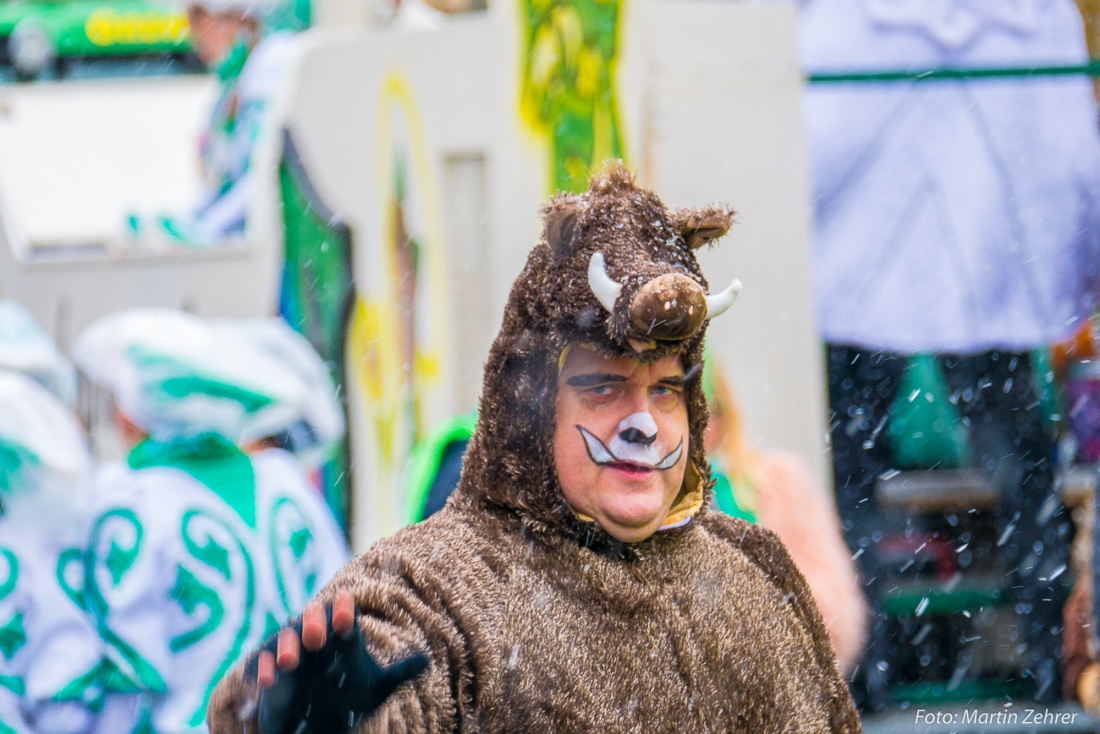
560 225
701 225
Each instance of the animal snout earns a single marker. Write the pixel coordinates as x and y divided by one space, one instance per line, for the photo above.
670 307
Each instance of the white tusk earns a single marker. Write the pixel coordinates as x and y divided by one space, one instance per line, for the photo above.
720 303
606 290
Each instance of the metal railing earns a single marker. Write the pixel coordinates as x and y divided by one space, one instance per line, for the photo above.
1092 68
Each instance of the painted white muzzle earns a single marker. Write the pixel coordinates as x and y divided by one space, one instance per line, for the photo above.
635 442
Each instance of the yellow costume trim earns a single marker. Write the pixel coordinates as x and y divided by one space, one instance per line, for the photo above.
562 356
690 498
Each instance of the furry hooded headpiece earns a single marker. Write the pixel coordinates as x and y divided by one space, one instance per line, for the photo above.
615 271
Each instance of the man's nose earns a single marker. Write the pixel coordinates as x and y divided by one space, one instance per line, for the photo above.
638 428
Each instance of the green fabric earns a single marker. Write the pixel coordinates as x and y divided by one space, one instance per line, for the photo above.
212 460
1042 370
425 459
72 558
187 380
191 594
13 684
8 585
726 498
230 67
294 15
91 688
138 672
13 636
925 430
14 461
315 299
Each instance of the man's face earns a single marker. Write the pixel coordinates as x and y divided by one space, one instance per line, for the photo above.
213 34
621 440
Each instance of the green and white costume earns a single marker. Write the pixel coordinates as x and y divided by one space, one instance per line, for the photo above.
251 81
49 651
197 551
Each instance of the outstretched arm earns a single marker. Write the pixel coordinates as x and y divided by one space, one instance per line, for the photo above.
397 612
317 675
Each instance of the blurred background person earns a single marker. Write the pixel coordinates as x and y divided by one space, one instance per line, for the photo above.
197 551
435 466
287 457
50 654
956 231
775 489
235 40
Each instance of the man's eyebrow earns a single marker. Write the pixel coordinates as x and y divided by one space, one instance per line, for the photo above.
674 380
589 379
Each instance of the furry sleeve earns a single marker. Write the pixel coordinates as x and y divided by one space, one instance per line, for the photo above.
404 610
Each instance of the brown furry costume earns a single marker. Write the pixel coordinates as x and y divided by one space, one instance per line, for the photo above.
536 621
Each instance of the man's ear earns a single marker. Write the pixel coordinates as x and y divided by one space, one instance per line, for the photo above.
701 225
560 219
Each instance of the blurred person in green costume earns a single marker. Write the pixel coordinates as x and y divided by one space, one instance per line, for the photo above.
249 45
196 550
435 466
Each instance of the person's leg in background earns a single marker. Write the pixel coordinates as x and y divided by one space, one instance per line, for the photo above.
862 386
996 396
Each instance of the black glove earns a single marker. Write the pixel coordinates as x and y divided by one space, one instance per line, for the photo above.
332 689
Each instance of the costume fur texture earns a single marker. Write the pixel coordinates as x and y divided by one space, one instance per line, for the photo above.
536 621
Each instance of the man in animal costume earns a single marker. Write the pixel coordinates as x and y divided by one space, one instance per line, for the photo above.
576 581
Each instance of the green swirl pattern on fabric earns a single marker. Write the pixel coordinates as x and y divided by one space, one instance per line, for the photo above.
217 557
11 576
71 560
13 635
125 545
189 592
298 540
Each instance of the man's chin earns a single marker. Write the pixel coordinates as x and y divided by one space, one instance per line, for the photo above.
631 527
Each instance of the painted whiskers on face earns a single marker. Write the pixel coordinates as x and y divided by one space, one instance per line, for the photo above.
634 443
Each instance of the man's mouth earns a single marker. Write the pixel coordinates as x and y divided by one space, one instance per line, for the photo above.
645 458
630 468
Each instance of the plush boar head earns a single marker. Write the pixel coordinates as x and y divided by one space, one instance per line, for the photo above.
638 258
616 271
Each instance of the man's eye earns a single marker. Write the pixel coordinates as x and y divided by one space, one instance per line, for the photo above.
601 390
663 390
